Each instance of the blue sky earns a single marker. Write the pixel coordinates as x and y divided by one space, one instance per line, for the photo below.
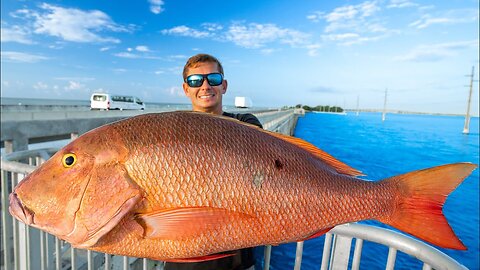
275 52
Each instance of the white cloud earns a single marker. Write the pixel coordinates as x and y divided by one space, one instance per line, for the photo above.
40 86
72 85
127 55
352 12
256 35
354 24
401 4
119 70
313 49
21 57
212 27
436 52
15 34
428 20
103 49
315 16
156 6
251 35
351 17
75 25
186 31
142 55
341 37
347 39
142 48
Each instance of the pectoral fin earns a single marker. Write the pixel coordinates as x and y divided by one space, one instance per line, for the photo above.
181 223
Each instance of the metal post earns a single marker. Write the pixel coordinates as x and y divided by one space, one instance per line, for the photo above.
466 127
358 105
266 261
298 256
384 106
6 224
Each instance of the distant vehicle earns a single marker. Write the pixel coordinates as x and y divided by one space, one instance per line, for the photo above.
243 102
102 101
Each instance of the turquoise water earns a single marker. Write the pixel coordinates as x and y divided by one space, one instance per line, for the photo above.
401 144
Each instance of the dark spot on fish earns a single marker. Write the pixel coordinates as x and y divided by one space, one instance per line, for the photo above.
258 179
278 164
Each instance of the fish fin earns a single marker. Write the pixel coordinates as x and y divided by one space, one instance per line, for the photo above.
339 166
181 223
419 209
202 258
317 234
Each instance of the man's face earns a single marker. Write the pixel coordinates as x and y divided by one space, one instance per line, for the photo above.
205 98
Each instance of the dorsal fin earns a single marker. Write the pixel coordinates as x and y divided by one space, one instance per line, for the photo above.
339 166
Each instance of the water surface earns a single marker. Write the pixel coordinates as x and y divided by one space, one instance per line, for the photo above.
379 149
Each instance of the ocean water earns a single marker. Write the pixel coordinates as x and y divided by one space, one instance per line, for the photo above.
401 144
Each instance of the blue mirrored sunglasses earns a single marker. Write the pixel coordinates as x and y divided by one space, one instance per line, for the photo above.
196 80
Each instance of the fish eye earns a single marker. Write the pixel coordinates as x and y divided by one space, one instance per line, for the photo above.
69 160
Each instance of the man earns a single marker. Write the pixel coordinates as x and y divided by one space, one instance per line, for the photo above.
205 85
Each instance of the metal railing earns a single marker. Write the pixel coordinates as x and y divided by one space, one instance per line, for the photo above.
25 247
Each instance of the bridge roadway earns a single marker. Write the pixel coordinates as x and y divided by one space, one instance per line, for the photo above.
19 128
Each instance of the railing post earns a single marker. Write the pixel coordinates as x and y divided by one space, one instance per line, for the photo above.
20 143
73 136
7 233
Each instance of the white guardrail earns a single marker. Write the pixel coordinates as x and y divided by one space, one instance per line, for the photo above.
24 247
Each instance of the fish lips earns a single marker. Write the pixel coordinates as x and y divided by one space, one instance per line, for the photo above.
20 211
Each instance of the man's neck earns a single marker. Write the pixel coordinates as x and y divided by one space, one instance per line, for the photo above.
218 111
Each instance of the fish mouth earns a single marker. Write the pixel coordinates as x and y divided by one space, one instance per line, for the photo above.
20 211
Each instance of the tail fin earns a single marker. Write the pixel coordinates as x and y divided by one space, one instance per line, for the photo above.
419 207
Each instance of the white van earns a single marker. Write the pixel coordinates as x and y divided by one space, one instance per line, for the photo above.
102 101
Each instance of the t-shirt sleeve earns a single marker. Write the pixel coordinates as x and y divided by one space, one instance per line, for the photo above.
251 119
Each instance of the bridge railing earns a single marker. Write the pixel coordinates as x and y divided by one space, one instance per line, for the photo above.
25 247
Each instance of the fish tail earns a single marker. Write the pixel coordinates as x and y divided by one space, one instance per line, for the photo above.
419 206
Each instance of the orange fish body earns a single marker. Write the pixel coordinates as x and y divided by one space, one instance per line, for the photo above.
181 185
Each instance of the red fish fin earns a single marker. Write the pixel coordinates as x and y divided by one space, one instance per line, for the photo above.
419 210
181 223
202 258
339 166
318 234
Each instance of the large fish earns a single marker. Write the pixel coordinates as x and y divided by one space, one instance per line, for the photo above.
184 186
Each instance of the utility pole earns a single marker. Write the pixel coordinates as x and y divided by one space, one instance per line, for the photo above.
466 127
385 106
358 104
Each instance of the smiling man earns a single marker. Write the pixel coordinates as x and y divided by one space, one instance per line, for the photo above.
204 84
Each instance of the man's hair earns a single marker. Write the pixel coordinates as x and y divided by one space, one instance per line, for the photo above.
195 60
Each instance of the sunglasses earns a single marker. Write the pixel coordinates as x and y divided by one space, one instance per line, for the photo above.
196 80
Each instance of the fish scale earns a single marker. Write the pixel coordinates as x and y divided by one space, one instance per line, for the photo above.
181 185
227 183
